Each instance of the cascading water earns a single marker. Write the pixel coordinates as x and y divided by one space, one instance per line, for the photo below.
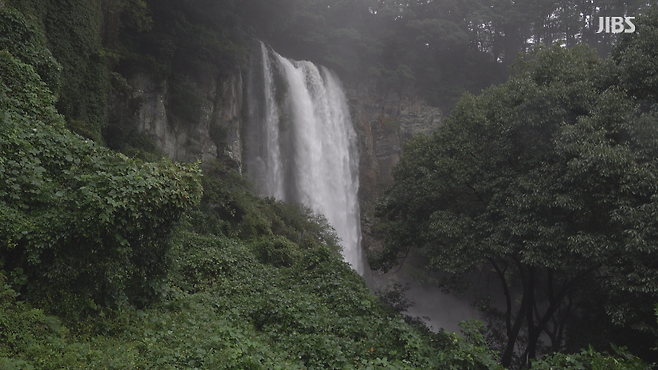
302 146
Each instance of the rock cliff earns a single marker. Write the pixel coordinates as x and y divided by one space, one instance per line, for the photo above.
216 132
384 120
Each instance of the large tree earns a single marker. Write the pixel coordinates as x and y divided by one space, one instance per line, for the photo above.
547 181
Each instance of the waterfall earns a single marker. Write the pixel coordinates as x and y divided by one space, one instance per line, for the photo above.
301 142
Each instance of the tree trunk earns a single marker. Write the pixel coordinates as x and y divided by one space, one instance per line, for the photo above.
513 332
533 332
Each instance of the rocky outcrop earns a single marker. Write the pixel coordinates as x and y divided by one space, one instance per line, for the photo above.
216 133
229 121
384 120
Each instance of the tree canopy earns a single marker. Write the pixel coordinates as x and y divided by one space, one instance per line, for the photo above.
548 181
441 48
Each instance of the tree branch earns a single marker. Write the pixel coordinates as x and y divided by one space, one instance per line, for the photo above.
508 297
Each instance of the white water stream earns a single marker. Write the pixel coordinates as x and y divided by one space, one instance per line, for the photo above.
303 145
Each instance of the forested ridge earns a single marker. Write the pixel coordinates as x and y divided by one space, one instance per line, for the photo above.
112 257
545 187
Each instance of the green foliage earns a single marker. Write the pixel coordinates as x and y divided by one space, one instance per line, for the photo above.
73 33
546 181
300 224
134 15
592 360
88 226
277 251
240 315
24 41
201 261
226 197
636 55
251 283
27 333
223 309
33 99
231 208
86 230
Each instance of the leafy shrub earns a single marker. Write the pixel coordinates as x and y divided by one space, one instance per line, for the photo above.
73 30
227 194
235 210
299 223
589 359
24 41
199 261
21 90
87 225
28 337
276 250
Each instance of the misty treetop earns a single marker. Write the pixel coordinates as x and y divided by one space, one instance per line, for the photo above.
547 183
442 48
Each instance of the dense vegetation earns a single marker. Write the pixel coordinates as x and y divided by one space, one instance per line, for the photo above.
103 242
140 274
547 184
112 262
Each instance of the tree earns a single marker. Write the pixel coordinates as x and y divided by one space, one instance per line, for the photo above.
547 182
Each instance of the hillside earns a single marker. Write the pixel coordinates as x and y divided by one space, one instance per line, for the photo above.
112 257
139 273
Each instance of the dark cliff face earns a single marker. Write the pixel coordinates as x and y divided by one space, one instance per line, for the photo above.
384 119
214 133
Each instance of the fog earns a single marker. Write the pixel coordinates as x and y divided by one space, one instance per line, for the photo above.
437 309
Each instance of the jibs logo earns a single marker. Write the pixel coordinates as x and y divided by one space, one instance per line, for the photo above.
616 25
